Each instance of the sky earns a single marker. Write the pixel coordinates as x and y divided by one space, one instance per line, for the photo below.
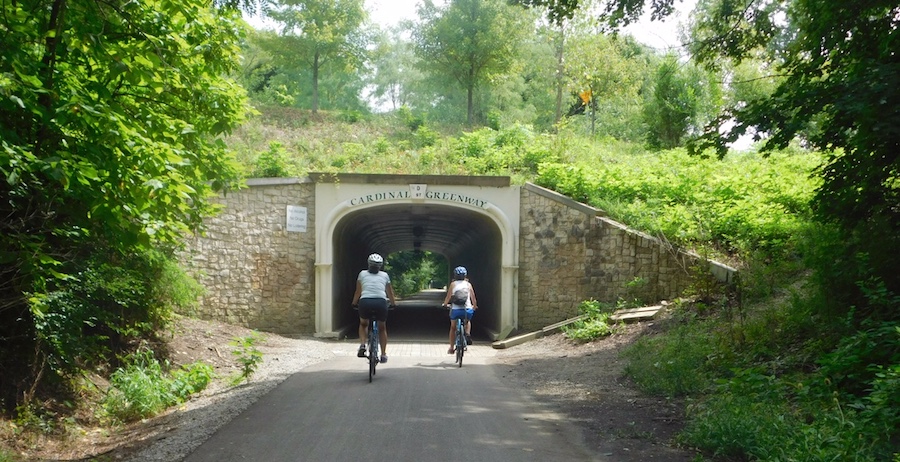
662 35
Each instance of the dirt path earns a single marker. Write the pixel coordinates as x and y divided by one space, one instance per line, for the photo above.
587 383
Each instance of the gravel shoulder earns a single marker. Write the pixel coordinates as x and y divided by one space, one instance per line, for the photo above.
585 382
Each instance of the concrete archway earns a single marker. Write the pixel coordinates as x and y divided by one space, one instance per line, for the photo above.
470 221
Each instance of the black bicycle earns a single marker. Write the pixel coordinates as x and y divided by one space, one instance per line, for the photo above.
373 343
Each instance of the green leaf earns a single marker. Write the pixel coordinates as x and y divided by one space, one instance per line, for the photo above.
154 184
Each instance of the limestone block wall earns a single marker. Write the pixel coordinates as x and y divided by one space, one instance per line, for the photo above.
256 272
568 253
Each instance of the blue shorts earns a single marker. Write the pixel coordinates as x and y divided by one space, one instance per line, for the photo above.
461 313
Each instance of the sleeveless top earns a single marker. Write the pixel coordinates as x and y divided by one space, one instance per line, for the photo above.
373 284
468 301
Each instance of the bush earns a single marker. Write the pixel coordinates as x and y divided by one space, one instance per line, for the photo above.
110 303
742 204
425 136
412 121
674 364
142 388
596 323
273 163
751 417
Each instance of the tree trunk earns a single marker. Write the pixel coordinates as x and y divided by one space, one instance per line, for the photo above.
315 82
560 73
470 105
45 100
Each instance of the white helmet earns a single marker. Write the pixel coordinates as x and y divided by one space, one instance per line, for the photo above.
376 260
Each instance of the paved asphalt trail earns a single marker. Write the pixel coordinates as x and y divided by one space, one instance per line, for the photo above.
418 407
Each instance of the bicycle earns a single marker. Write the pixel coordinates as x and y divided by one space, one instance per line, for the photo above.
460 343
460 340
373 343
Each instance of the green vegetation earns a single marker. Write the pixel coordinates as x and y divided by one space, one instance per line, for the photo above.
249 357
741 204
110 148
143 387
595 324
413 271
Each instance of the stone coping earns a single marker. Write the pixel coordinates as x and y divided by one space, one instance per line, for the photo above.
445 180
568 202
275 181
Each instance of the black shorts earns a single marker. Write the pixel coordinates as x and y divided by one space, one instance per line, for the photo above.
377 305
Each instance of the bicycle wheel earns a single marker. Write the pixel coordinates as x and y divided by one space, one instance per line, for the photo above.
460 342
373 349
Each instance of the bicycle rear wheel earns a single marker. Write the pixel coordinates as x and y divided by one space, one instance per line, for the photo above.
460 342
373 349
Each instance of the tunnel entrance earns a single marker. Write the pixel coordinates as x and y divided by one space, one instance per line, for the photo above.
472 222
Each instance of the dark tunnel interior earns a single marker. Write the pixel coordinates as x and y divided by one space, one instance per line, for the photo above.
464 237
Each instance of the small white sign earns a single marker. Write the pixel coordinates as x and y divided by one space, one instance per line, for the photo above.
296 219
417 191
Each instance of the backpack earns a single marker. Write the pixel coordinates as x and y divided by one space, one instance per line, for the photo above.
460 294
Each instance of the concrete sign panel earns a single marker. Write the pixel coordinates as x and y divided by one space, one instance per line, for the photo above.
417 191
296 219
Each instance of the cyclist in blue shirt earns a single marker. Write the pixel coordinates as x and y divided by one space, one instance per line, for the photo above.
461 299
373 291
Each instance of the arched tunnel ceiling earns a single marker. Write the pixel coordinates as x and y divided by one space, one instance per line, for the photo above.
435 228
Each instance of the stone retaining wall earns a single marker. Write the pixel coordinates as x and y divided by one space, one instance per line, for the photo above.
256 273
569 253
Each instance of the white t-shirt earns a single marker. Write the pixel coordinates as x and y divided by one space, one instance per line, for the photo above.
373 284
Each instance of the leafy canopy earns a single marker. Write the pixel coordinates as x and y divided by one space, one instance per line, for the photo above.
319 33
109 117
468 41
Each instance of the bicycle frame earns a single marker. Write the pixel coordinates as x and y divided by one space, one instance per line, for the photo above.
460 340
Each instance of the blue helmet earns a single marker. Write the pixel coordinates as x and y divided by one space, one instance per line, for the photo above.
460 271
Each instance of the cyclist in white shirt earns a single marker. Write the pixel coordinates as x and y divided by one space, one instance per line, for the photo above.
373 291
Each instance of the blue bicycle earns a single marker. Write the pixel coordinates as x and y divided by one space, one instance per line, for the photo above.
373 342
460 343
460 340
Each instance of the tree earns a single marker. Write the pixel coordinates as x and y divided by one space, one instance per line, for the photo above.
469 41
321 32
394 69
109 122
682 100
837 67
598 68
614 12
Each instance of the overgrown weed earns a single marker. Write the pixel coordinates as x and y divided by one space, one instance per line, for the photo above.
595 324
143 387
248 356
